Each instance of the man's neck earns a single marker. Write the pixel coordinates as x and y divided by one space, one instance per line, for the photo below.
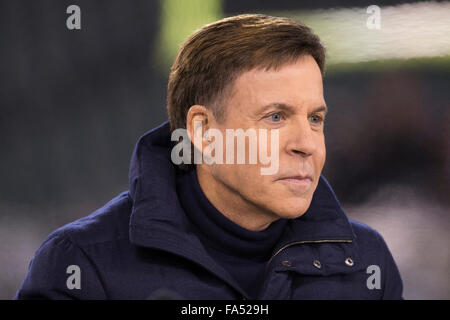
232 205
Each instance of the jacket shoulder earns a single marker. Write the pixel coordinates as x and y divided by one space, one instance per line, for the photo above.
363 231
108 223
368 239
65 248
375 251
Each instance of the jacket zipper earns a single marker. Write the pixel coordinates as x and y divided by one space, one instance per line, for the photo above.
306 242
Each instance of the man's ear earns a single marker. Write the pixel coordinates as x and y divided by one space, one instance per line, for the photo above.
198 120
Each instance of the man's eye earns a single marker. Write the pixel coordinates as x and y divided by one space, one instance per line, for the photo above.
275 117
316 119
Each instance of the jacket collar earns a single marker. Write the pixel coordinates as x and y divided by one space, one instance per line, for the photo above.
158 220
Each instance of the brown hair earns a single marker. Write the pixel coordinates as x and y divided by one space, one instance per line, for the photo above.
215 55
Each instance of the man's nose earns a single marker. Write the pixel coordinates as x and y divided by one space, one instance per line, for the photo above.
301 139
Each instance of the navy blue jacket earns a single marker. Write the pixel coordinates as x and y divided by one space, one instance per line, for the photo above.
140 245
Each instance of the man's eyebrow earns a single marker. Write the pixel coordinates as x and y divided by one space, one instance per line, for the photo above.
320 109
289 108
277 105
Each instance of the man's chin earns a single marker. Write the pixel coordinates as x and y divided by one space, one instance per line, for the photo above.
292 212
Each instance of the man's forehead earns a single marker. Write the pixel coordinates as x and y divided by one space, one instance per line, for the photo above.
303 76
302 64
294 85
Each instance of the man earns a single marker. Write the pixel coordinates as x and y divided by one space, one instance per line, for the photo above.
202 228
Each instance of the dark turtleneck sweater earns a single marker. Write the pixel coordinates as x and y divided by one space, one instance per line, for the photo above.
241 252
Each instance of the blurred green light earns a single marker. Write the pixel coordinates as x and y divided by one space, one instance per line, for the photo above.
179 19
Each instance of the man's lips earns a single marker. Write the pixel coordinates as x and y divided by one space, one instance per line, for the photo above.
297 179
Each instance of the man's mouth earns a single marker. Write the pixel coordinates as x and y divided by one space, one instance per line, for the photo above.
298 180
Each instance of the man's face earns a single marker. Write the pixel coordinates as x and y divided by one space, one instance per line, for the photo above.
290 100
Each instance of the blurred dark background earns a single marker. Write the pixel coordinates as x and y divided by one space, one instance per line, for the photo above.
74 102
